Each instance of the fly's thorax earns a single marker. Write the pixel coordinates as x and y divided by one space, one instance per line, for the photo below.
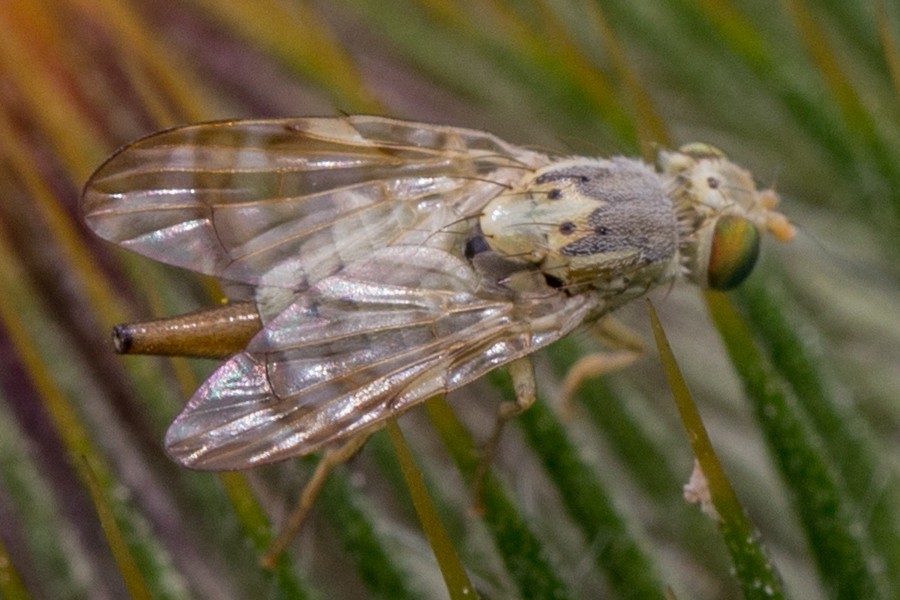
587 221
721 215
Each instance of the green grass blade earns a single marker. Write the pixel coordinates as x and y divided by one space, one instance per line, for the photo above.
347 512
753 569
821 506
631 573
722 25
856 115
134 581
454 573
258 529
847 438
519 547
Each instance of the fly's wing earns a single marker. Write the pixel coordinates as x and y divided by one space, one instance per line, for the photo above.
285 203
358 347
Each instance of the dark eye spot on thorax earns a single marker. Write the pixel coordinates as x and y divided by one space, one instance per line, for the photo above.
567 228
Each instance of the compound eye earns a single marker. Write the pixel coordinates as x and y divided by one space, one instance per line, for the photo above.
735 248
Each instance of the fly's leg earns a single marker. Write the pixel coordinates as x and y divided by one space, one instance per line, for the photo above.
330 460
522 372
628 347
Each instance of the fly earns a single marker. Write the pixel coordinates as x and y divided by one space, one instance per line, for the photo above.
381 262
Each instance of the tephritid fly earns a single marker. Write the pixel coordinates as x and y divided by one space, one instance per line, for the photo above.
383 262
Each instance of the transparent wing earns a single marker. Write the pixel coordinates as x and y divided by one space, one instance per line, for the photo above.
287 202
358 347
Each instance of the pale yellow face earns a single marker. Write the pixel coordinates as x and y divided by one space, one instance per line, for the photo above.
721 215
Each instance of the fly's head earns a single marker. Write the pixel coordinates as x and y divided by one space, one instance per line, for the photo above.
721 215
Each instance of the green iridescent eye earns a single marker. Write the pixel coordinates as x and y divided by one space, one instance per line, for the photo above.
735 248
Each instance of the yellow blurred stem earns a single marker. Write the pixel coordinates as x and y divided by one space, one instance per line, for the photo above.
454 573
254 518
18 300
651 129
60 227
736 27
11 585
826 59
134 580
34 73
592 79
295 34
152 53
889 41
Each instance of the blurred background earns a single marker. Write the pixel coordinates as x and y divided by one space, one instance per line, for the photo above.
802 407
